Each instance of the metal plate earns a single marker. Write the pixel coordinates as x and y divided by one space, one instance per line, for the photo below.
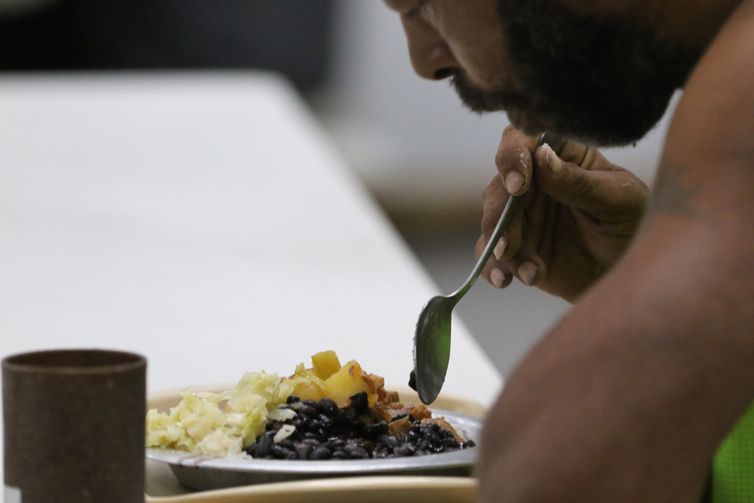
202 472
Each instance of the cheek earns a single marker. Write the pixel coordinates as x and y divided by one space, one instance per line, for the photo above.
485 60
475 36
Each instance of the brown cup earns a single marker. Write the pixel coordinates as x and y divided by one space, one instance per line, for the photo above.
74 426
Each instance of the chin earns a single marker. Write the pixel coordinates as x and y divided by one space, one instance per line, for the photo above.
522 121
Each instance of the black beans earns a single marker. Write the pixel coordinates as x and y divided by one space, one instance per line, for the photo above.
328 407
309 410
262 447
321 452
283 452
323 431
405 450
317 437
303 451
412 381
273 426
315 425
389 441
356 452
376 429
360 402
345 416
325 421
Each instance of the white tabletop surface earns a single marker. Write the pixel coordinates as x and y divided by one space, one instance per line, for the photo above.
205 222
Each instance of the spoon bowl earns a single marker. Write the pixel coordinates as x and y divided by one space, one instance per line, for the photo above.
432 338
432 345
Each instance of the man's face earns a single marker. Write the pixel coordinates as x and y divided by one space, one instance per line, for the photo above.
599 77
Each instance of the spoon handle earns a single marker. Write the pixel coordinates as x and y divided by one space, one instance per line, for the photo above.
509 212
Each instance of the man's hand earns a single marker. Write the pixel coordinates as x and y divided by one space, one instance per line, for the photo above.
580 216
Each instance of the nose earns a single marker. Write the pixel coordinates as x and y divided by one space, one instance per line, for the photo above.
430 55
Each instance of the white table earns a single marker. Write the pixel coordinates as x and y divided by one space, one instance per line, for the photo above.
205 222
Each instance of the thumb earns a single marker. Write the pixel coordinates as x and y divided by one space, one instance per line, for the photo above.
592 190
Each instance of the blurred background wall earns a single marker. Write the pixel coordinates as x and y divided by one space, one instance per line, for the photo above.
421 154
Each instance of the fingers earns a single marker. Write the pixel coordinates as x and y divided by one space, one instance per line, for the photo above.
600 189
514 164
553 185
493 200
548 239
530 264
527 264
513 160
575 152
493 271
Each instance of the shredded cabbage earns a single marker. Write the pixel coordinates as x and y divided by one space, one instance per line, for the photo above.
219 424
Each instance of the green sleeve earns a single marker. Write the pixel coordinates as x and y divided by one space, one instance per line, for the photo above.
733 468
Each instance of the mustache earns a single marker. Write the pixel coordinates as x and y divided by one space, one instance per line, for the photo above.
479 100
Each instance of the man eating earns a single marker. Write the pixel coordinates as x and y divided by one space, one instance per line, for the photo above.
640 393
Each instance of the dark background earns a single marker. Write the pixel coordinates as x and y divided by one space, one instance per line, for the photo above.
288 36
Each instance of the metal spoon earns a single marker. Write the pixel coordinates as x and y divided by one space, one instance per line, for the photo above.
432 339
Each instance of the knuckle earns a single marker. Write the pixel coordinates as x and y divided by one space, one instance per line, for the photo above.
479 246
493 200
500 157
582 184
514 246
491 189
508 143
488 222
634 191
488 206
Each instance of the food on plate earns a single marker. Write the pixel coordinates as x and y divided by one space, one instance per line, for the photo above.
328 411
328 379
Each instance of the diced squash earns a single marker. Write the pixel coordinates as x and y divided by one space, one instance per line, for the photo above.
325 364
341 383
305 384
308 390
348 381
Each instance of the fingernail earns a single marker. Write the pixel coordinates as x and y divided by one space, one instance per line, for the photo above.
513 182
528 272
553 161
500 248
497 276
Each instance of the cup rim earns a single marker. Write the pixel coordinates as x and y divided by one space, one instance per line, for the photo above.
36 361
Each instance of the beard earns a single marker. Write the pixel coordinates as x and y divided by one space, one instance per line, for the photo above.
597 79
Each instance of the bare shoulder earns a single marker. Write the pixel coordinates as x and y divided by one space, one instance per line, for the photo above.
707 167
